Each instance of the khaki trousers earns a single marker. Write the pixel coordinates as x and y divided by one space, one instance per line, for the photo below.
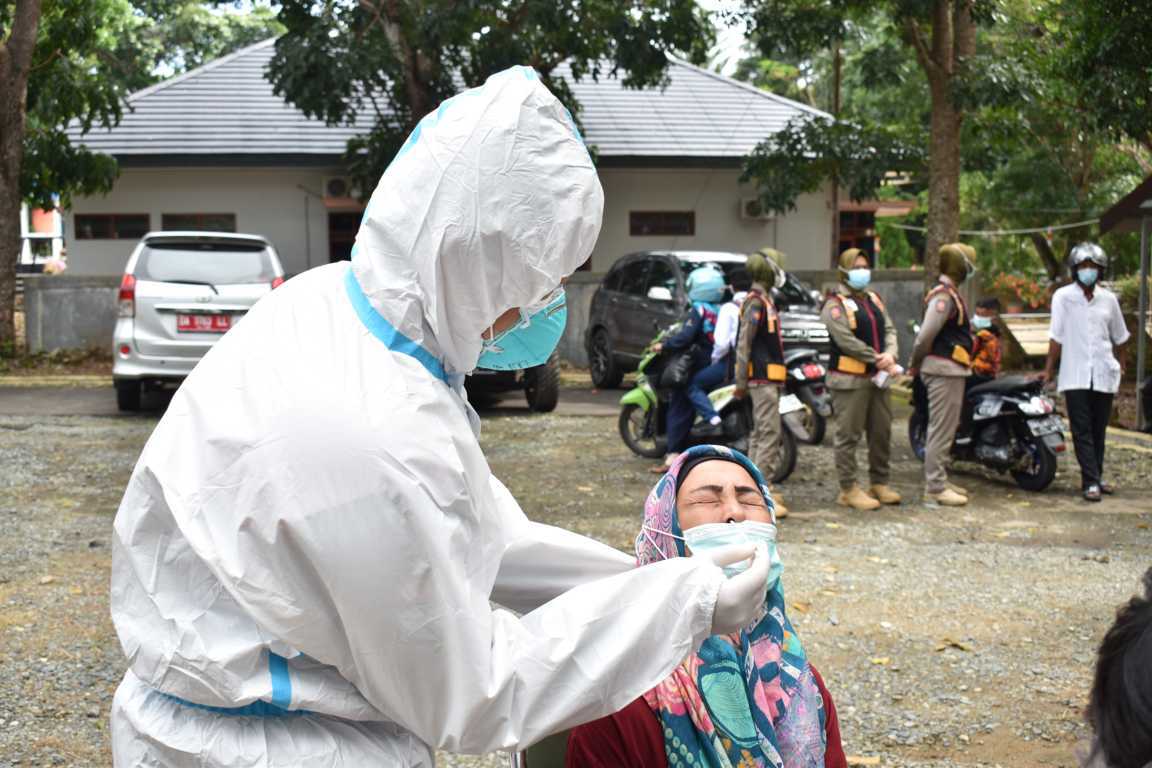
866 408
945 401
764 442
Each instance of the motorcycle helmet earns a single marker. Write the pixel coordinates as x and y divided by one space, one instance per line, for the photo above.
764 267
957 261
1083 252
706 284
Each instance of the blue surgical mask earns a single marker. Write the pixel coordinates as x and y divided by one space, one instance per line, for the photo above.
981 323
702 539
531 341
1087 276
858 279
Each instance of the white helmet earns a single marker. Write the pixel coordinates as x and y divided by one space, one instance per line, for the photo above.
1083 252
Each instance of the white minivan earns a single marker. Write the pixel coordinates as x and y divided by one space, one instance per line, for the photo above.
181 292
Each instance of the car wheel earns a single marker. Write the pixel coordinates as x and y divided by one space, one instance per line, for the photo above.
542 385
606 373
128 396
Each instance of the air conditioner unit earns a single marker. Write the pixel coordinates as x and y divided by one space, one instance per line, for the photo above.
340 187
753 210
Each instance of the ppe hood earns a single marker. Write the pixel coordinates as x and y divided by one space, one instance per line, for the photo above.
491 201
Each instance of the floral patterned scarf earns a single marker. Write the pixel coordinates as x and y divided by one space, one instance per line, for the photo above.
744 700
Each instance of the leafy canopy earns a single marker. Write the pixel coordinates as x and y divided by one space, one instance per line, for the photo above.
90 56
397 61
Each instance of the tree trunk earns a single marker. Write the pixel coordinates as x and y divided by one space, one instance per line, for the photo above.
837 61
953 40
15 62
1044 249
943 180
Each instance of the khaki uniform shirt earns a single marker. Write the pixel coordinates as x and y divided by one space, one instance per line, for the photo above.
749 325
838 329
939 311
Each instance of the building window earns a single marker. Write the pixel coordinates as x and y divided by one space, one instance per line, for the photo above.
198 222
111 226
641 223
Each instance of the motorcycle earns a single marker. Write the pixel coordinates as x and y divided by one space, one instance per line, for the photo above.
644 410
806 381
1007 424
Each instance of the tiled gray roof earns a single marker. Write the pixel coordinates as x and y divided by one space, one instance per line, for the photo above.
227 108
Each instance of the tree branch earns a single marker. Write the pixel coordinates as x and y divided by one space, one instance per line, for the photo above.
964 31
943 38
1139 153
915 36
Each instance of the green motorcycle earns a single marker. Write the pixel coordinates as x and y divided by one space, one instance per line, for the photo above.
644 416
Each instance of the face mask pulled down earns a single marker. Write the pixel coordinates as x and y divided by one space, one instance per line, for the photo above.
530 341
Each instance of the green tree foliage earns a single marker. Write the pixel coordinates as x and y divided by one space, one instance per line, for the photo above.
1035 150
68 81
811 150
1107 58
167 37
397 61
942 36
90 55
83 58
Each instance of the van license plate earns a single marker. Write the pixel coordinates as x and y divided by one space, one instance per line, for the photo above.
203 323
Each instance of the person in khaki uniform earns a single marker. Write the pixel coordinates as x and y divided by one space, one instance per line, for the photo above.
759 368
942 354
863 341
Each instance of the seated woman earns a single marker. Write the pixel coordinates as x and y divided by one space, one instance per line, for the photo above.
746 700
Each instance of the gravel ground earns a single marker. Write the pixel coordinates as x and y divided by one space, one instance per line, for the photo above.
948 638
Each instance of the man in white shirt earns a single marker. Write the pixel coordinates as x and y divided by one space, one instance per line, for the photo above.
728 322
1087 335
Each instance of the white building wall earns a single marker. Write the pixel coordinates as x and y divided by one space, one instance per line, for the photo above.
272 202
805 235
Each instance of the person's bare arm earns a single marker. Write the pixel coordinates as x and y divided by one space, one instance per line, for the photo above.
1054 348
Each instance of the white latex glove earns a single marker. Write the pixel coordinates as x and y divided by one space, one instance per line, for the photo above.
741 598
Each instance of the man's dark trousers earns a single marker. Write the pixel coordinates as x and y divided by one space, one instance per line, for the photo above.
1088 414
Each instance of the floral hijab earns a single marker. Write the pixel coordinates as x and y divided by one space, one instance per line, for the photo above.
745 700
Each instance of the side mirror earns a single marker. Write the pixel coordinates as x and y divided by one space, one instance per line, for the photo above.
659 293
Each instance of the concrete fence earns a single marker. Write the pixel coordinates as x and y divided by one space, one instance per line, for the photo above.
77 312
69 312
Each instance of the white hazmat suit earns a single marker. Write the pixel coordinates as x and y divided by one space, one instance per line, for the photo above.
305 555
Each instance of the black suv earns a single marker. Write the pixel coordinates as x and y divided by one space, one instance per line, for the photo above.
644 293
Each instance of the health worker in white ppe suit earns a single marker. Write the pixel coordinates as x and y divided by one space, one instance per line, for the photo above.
306 552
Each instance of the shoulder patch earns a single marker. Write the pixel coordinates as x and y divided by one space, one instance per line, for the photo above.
835 313
941 305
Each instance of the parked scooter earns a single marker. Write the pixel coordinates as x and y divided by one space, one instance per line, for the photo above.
806 381
1008 424
644 410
